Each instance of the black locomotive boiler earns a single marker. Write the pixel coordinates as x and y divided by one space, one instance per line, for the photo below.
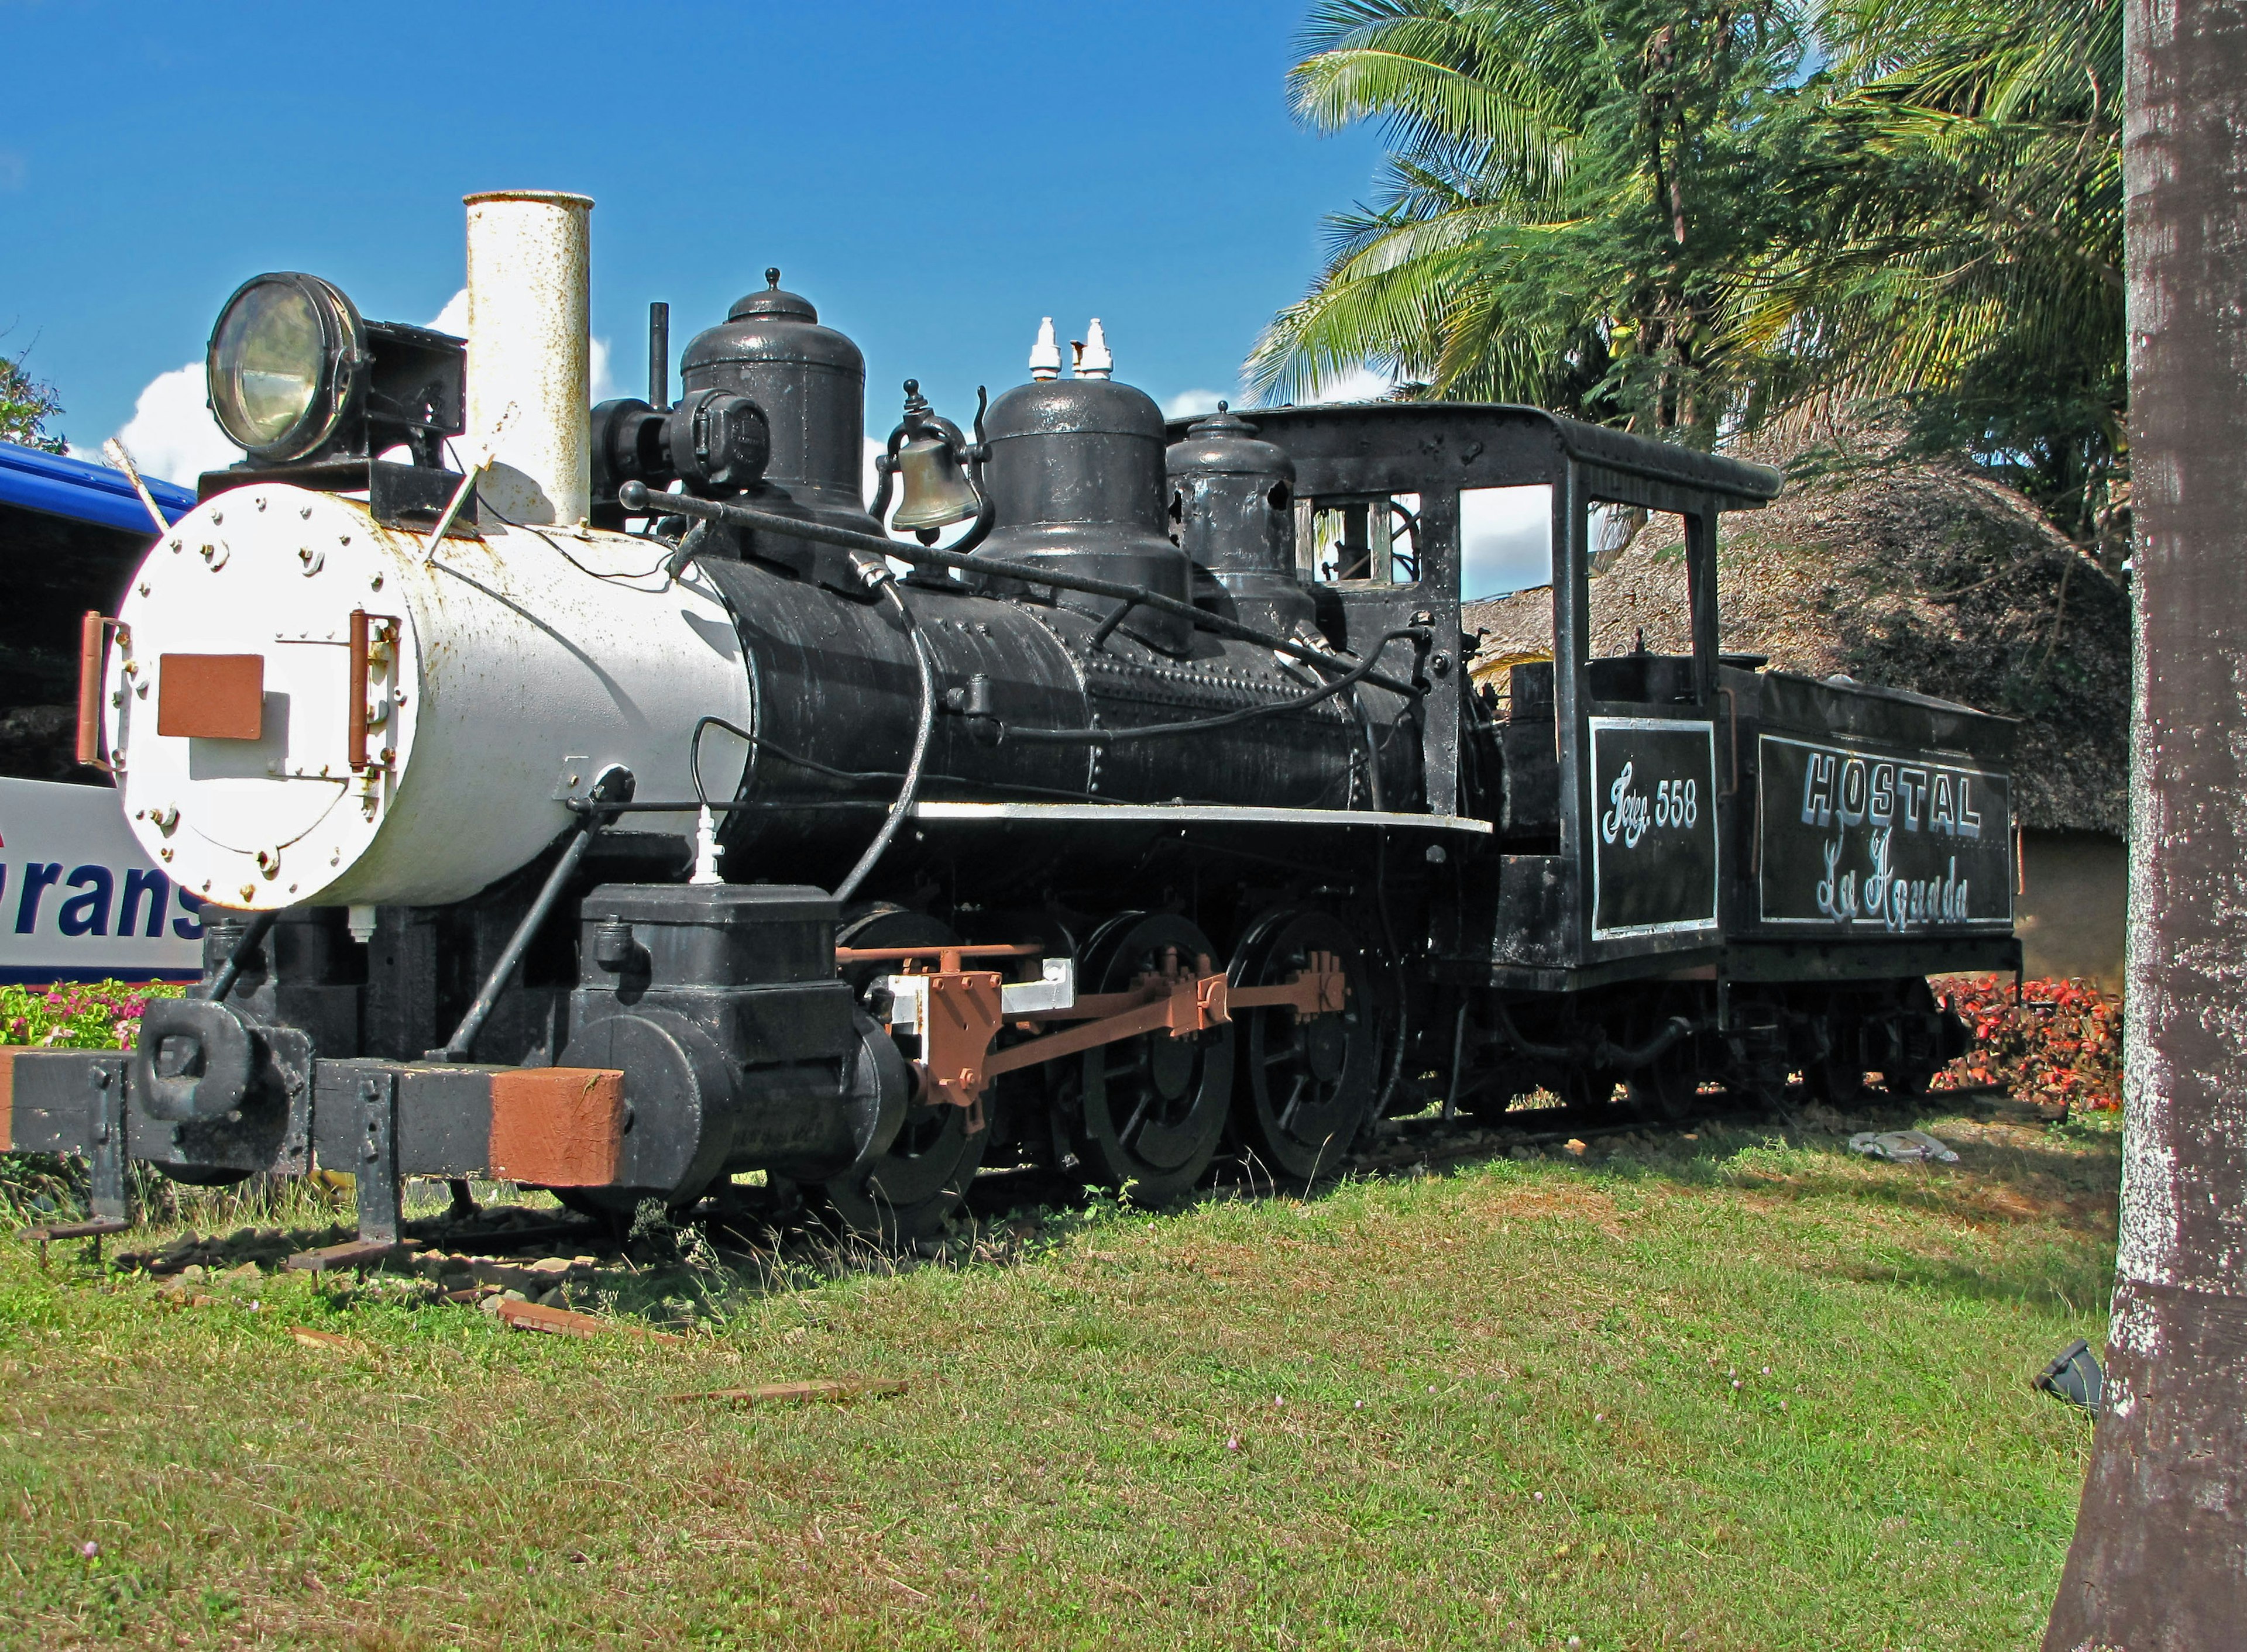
625 811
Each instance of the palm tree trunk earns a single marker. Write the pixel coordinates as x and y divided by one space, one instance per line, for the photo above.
2160 1556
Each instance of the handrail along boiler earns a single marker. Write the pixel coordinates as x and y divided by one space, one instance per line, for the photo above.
612 813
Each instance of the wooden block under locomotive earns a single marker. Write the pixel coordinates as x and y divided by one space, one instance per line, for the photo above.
617 818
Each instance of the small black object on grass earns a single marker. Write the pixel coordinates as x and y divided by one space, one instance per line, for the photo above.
2075 1378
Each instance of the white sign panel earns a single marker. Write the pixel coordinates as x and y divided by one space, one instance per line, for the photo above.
78 900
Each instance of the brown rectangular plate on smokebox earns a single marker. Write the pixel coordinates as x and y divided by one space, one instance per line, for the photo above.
211 696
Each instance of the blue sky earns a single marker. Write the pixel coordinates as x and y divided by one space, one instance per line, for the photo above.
934 177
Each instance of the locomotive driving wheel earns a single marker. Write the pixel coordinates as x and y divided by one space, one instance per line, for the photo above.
909 1191
1145 1114
1307 1082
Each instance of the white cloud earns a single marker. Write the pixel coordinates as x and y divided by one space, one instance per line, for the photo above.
1506 539
1359 384
172 436
453 318
604 386
1189 404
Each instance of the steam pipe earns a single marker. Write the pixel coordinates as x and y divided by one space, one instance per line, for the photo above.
637 497
615 784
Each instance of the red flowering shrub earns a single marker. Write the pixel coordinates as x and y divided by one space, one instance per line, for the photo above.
78 1015
2061 1043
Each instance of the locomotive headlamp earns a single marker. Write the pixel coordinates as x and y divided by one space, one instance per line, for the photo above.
286 365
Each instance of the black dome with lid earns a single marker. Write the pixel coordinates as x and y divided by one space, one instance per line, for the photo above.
770 300
810 381
1076 477
1225 442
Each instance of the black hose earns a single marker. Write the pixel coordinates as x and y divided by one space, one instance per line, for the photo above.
1601 1054
903 807
637 497
1459 1048
694 762
848 776
1356 675
1372 753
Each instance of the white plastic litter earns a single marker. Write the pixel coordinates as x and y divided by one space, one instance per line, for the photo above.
1904 1147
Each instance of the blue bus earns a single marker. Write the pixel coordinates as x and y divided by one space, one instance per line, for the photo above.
78 901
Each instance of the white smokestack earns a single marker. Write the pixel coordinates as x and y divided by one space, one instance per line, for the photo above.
528 350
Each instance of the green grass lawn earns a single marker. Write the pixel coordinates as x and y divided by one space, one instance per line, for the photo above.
1716 1393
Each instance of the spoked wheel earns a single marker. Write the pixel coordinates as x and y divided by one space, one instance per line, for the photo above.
1307 1083
908 1192
1145 1114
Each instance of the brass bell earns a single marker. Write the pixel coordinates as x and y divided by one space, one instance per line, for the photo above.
935 493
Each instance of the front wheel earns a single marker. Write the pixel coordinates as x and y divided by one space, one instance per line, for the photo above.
910 1191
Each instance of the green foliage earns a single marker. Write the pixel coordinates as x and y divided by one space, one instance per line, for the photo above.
25 404
1967 255
1684 217
1571 194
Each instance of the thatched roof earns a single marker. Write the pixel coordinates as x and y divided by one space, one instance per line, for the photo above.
1913 577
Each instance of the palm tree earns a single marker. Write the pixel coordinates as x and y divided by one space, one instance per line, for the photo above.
1966 250
1675 215
1569 188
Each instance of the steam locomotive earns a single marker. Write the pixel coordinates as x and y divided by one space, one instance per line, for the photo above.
616 804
